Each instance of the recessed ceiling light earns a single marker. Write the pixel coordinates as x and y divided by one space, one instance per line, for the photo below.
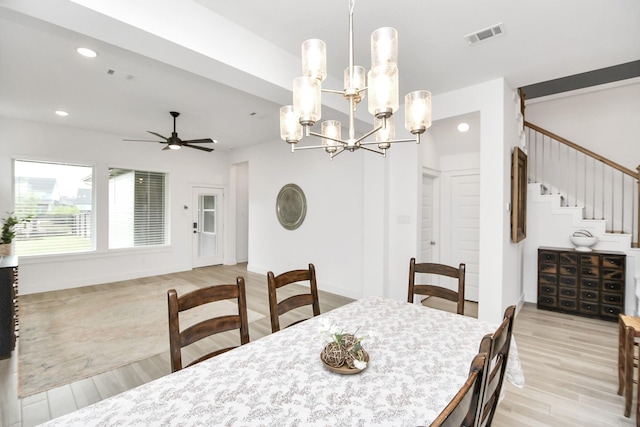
463 127
85 51
62 113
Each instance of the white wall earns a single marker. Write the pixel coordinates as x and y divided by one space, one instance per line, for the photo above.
330 236
242 212
605 120
500 277
29 140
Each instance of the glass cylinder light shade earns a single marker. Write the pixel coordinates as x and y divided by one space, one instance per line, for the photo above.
417 106
314 59
359 77
290 129
383 90
386 133
384 47
306 99
333 129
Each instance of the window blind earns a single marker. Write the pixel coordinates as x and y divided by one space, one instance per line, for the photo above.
137 202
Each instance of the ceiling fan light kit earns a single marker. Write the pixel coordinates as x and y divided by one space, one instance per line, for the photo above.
174 142
296 120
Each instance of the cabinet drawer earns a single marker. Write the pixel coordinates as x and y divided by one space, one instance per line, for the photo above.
569 270
569 258
547 279
590 284
590 271
612 299
568 292
548 290
544 256
547 268
590 260
568 304
546 301
612 286
589 295
613 261
568 281
610 310
589 307
610 274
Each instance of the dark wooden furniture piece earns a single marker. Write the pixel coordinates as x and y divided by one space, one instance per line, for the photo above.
8 305
205 328
437 291
629 330
497 346
588 284
295 301
462 411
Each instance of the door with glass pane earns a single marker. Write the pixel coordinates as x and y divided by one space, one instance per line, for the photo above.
207 226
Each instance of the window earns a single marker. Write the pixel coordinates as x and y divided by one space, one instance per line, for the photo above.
58 200
136 208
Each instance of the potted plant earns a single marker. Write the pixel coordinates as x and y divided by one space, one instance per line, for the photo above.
9 232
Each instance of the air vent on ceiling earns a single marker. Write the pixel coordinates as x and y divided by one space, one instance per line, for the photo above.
121 74
484 34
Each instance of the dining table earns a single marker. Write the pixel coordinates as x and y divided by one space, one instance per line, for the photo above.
419 357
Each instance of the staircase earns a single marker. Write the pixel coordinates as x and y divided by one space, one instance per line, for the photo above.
604 189
571 188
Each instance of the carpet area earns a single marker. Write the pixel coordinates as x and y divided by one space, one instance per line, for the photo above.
120 325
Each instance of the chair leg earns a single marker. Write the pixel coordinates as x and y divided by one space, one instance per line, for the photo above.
628 369
621 348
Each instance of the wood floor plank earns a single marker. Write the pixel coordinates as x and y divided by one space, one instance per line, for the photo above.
107 384
61 401
85 392
35 413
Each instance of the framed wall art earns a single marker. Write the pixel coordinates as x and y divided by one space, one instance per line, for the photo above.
518 195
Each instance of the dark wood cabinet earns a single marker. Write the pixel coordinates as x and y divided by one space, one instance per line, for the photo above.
8 305
584 283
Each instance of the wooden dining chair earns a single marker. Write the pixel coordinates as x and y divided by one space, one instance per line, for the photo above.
295 301
213 325
463 409
434 290
497 347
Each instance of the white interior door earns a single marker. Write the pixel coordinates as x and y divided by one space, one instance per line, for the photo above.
427 238
465 229
207 226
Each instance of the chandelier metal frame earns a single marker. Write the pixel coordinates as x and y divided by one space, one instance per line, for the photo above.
332 143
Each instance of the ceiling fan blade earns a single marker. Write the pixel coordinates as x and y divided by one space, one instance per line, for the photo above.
158 135
197 148
145 140
199 141
166 148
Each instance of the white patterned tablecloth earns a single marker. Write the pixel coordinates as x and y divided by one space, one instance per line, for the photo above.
419 358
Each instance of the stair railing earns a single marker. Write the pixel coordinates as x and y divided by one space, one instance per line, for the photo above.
605 189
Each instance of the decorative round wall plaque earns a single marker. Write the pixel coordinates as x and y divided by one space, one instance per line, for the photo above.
291 206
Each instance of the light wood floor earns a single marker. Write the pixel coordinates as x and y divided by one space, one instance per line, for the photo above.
570 366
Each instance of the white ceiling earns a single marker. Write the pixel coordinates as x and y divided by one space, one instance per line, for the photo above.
191 56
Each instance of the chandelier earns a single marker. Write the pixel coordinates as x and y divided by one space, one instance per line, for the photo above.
297 120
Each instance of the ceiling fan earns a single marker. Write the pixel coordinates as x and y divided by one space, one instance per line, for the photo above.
175 143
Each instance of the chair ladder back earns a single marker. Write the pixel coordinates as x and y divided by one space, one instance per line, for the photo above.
434 290
497 347
463 409
277 308
182 338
